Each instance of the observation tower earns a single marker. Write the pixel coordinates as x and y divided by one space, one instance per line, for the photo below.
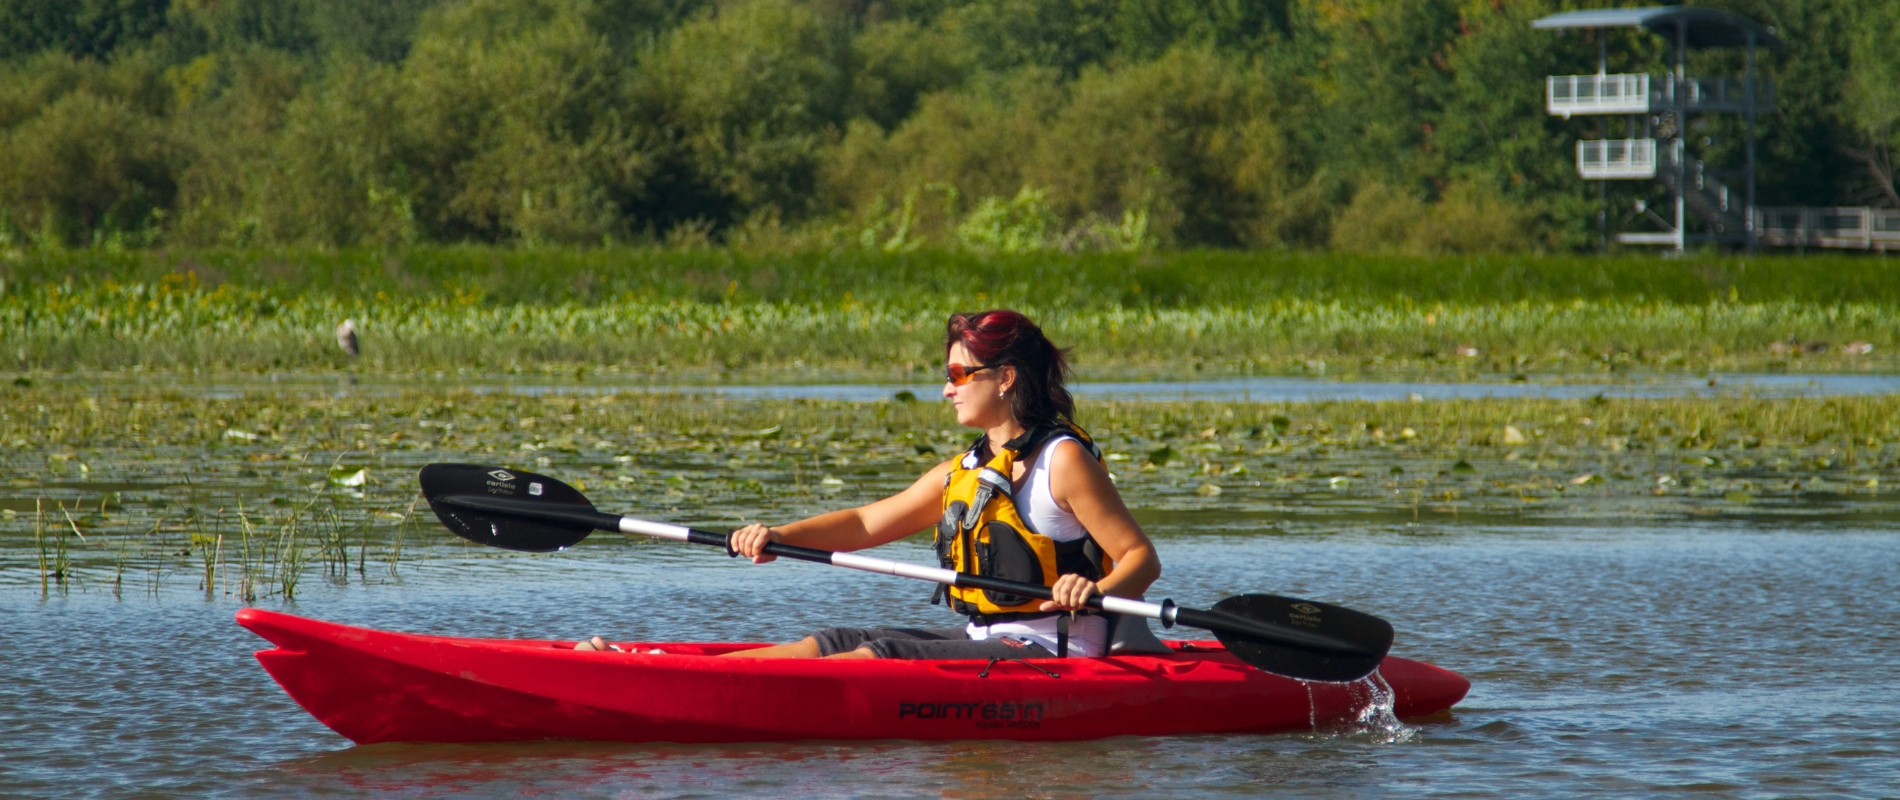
1660 116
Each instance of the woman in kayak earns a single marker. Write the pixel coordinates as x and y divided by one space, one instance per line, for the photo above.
1030 501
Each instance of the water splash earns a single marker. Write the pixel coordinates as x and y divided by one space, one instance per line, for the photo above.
1370 717
1312 706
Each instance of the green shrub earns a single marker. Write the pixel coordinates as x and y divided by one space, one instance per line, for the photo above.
1020 224
86 170
1188 139
1380 219
741 105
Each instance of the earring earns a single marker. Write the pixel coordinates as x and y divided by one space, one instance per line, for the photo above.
1001 394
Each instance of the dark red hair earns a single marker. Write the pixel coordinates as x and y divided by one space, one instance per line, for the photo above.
1005 338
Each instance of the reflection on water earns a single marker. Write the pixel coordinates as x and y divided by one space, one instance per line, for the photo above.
969 770
1719 657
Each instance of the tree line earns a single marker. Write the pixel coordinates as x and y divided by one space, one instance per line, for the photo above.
1376 125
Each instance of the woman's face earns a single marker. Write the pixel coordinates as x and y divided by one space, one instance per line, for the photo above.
977 402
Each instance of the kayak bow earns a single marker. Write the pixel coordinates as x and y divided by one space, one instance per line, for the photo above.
379 686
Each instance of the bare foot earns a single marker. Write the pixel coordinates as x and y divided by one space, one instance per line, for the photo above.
595 644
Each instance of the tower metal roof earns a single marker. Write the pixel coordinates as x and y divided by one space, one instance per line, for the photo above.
1703 27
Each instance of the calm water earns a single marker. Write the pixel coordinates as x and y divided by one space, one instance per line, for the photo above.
1723 659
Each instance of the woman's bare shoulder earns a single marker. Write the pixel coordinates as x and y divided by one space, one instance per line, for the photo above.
1069 454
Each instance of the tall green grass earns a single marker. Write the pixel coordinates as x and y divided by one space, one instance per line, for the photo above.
1178 279
880 315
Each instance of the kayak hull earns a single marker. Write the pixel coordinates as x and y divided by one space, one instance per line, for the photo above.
378 686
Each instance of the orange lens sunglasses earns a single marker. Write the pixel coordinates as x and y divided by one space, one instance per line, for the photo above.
959 375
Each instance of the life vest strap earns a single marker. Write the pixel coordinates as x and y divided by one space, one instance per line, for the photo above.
1024 616
998 481
979 449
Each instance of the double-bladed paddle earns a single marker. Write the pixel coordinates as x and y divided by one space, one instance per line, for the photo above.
533 513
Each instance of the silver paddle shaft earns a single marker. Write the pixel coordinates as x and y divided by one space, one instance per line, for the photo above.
1163 611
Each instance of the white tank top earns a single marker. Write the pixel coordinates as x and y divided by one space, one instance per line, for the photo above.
1038 507
1087 635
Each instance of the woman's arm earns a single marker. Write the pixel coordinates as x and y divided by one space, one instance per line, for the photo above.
887 520
1080 485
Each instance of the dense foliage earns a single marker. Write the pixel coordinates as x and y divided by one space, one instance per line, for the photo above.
1000 125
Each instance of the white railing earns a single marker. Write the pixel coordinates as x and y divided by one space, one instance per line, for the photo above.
1597 94
1616 159
1853 228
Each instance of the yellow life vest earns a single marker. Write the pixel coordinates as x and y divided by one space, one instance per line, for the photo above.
982 533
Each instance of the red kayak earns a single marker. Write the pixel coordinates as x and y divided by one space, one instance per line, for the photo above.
377 686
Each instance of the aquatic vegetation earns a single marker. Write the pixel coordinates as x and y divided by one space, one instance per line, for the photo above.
320 484
725 315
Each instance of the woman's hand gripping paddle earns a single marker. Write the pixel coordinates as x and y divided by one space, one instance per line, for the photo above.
533 513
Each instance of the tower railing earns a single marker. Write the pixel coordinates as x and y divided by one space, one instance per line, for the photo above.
1616 159
1854 228
1597 94
1568 95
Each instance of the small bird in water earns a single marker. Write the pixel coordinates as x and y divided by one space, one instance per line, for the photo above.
346 337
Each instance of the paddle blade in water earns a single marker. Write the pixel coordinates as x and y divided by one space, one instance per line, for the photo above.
1363 638
442 482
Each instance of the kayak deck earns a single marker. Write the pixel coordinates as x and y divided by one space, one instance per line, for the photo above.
380 686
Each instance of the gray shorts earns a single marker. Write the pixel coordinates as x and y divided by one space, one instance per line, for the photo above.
925 643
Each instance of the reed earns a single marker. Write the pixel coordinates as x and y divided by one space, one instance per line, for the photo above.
205 543
118 568
39 541
247 588
62 561
289 556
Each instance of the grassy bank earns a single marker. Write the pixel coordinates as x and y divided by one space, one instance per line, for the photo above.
96 486
724 314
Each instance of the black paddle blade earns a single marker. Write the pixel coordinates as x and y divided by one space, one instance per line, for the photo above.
443 482
1366 638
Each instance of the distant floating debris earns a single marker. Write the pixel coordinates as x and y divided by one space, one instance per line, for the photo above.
1794 346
